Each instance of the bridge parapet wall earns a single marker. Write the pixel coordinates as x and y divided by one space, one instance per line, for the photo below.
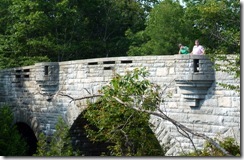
192 95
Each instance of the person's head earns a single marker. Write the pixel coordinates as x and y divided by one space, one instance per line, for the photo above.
180 45
197 42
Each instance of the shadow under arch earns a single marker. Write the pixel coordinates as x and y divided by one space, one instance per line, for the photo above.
80 141
89 148
29 136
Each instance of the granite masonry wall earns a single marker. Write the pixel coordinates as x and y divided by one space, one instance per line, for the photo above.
192 96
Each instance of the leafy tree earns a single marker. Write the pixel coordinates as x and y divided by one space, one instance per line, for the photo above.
138 46
11 142
165 28
209 150
57 145
218 23
63 30
107 23
38 31
126 129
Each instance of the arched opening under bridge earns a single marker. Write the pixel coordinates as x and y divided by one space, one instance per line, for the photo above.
29 136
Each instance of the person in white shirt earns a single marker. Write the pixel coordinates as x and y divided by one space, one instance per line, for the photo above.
198 49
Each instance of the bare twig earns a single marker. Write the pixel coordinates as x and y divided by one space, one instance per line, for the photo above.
81 98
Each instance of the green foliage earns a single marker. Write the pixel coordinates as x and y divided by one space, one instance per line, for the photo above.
38 29
60 143
137 47
34 31
165 28
134 88
228 64
11 142
108 23
124 128
218 31
228 143
6 62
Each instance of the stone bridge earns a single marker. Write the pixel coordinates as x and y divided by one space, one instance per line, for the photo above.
196 99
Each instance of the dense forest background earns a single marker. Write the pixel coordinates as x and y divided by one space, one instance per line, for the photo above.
61 30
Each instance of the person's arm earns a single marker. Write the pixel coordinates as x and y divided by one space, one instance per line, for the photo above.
203 50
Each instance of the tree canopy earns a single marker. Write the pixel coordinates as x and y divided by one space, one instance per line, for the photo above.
215 23
34 31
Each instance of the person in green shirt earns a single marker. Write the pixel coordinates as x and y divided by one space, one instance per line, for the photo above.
183 49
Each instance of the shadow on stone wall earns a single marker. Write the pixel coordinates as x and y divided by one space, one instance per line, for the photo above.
47 77
29 90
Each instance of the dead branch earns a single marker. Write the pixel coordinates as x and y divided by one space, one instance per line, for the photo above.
81 98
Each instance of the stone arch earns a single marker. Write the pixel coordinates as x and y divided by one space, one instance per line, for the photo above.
29 136
28 126
28 118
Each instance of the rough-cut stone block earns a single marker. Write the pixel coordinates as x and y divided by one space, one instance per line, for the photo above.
224 102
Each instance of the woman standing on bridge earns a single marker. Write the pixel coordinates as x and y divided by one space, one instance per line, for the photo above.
198 49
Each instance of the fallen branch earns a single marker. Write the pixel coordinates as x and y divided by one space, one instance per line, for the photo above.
161 115
81 98
177 124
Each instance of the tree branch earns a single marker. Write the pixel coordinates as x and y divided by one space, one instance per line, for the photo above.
81 98
160 114
177 124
